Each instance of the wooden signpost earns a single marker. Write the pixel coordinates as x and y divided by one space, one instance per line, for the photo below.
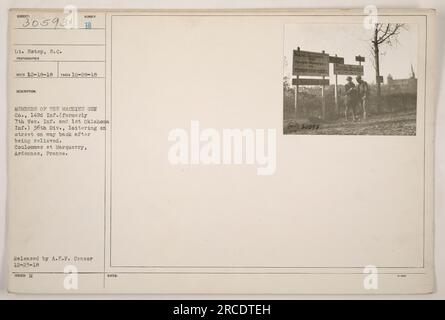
306 63
360 59
348 69
336 60
310 82
316 64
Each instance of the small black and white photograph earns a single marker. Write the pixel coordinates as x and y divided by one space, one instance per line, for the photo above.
350 79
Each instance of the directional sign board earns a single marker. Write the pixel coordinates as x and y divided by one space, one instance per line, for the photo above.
310 82
348 69
360 59
308 63
336 60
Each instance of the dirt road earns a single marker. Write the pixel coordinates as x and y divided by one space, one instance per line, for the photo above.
399 124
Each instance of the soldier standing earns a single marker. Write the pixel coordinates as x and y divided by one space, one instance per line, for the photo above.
350 98
363 94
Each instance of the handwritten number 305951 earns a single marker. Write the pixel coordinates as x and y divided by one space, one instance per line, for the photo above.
50 22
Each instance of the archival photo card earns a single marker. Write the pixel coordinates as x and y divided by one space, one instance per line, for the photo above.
221 152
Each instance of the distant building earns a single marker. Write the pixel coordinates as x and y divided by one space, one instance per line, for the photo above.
403 85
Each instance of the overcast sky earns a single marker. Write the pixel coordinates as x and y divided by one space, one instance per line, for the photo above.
349 41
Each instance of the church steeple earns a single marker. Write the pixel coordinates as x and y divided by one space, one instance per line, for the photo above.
413 75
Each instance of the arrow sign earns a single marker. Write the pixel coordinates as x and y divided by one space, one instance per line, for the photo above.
310 82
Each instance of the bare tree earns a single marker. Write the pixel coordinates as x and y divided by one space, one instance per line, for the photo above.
384 34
